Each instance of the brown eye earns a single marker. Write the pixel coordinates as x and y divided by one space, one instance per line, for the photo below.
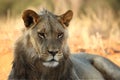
60 35
41 35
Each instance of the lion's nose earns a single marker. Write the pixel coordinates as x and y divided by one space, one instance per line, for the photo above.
53 53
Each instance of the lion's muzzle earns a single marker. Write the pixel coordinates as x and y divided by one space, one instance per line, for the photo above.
53 53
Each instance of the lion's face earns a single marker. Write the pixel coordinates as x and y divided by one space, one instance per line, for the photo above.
48 36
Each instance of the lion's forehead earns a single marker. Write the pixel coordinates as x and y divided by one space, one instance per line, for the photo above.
50 24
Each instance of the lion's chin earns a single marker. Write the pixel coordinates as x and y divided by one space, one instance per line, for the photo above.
51 64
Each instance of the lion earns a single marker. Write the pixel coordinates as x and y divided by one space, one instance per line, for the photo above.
42 52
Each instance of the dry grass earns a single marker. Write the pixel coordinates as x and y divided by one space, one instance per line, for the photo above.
92 33
9 32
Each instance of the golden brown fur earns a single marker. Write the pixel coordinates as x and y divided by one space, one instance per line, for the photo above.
42 53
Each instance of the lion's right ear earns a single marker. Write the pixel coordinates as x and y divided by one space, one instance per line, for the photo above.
30 17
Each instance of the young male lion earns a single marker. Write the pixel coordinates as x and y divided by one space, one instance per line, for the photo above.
42 53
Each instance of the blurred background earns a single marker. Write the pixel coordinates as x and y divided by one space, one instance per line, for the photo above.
95 27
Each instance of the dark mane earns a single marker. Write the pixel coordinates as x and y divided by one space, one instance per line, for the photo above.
27 67
46 12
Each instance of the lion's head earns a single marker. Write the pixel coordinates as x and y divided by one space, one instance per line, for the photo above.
47 36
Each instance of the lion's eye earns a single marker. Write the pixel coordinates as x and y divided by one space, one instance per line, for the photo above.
41 35
60 35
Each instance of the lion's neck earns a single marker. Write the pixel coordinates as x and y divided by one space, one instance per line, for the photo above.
61 72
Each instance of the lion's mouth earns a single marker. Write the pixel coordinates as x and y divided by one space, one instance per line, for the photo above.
52 60
51 63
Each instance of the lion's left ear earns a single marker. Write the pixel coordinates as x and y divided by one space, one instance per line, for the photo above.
66 17
30 17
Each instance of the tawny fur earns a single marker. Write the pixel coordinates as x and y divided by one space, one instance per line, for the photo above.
45 41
